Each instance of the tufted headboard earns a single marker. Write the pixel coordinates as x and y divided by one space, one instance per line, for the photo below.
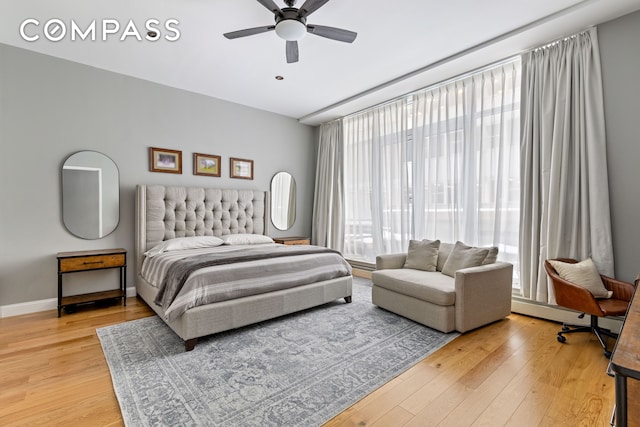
167 212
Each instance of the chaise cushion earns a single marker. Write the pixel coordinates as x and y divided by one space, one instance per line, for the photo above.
422 255
463 256
428 286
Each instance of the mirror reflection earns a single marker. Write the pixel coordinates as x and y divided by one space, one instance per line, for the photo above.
90 195
283 200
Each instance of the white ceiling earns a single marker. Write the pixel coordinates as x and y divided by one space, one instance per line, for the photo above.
401 45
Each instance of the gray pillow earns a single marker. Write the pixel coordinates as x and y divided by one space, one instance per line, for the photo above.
492 256
463 256
443 253
422 255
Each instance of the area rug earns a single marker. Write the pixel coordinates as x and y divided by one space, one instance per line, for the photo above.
297 370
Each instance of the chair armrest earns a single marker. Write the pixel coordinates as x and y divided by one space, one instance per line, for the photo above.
387 261
621 290
483 294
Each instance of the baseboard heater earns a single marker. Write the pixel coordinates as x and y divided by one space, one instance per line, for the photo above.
558 314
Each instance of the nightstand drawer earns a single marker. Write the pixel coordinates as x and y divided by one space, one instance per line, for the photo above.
292 240
91 262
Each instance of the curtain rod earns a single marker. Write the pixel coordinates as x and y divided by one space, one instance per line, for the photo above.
436 85
448 59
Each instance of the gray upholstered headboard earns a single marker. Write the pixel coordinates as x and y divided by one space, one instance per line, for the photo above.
167 212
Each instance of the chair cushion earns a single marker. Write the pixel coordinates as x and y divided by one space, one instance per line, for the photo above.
422 255
463 256
428 286
584 274
613 307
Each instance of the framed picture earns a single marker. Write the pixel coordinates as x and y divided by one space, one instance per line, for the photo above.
164 160
206 164
241 168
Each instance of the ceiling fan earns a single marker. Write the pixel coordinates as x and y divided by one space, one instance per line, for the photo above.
291 25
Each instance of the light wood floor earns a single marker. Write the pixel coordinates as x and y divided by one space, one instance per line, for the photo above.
513 372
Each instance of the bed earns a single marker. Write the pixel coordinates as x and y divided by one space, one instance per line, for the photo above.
173 214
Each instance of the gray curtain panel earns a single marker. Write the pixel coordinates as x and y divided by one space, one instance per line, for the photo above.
564 182
328 203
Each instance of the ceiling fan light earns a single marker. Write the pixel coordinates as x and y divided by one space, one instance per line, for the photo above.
291 29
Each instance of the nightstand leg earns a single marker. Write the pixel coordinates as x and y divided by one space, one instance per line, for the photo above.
123 284
59 294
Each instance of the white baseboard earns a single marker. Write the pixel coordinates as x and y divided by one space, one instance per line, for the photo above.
559 314
131 291
28 307
40 305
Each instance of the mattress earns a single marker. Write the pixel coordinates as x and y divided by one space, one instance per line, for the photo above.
237 271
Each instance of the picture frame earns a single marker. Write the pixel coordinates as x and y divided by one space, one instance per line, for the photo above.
165 160
241 168
206 164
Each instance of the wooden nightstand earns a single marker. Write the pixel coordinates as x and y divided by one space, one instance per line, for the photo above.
74 262
292 240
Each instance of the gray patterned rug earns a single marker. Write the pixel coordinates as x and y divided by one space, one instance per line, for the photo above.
298 370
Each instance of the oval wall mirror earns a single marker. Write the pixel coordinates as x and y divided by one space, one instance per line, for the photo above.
283 200
90 195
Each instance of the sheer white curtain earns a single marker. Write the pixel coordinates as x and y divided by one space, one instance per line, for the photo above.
377 211
565 195
439 164
328 204
466 142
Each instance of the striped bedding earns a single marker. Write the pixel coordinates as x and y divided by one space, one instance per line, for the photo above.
227 281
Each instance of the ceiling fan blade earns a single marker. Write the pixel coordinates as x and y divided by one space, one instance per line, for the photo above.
309 7
292 52
332 33
249 32
269 4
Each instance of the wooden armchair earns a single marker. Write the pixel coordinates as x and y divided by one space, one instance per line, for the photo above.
575 297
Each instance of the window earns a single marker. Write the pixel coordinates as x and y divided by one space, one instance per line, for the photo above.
441 163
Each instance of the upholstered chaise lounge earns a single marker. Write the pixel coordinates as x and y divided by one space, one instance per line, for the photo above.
471 297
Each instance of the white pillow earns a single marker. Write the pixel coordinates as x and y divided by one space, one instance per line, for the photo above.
584 274
246 239
184 243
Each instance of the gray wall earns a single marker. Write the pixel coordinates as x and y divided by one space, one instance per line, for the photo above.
620 55
51 108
